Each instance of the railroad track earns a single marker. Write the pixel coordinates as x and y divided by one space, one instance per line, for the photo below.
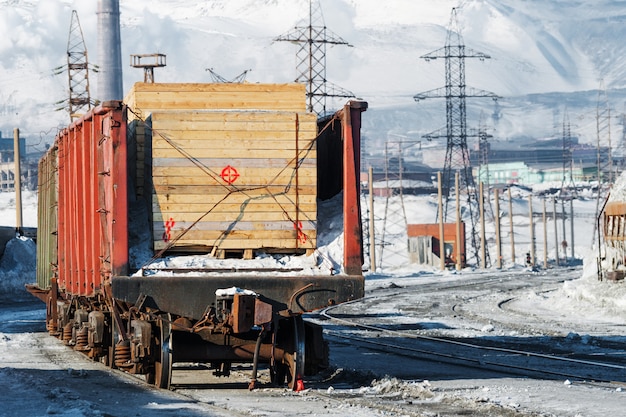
541 355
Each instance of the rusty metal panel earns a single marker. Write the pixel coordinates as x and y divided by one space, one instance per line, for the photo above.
243 312
92 240
353 236
189 296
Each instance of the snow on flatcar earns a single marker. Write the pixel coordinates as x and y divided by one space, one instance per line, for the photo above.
168 223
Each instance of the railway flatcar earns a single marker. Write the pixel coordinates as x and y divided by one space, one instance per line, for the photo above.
226 172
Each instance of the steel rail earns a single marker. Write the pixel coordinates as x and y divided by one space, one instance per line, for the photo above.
479 362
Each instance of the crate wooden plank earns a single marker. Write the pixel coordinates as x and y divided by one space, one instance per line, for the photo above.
200 245
247 177
220 214
263 159
260 197
211 237
216 228
227 125
228 118
225 140
149 97
217 193
194 211
234 153
242 240
216 87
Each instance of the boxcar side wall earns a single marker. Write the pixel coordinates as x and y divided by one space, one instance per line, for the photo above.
92 201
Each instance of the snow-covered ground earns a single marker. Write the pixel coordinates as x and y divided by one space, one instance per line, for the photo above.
579 299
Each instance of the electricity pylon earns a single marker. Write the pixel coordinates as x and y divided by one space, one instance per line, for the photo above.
604 153
567 183
78 71
455 92
311 59
219 79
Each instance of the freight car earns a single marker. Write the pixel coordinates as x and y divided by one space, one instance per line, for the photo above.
220 170
612 255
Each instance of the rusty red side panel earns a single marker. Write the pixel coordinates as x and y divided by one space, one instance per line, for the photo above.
352 244
92 200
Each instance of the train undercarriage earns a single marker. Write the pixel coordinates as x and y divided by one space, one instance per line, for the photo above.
236 327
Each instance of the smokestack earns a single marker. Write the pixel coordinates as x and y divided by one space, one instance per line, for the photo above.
109 51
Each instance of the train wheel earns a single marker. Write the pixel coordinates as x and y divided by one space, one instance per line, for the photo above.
290 338
161 375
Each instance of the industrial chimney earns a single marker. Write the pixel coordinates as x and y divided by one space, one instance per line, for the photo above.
109 51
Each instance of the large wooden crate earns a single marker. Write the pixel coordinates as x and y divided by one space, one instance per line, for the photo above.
236 170
144 98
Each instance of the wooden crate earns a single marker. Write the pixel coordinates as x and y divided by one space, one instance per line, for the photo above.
225 179
144 98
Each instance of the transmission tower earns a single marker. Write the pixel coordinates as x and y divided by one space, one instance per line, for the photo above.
395 219
604 152
77 69
219 79
605 148
567 183
621 145
455 92
311 59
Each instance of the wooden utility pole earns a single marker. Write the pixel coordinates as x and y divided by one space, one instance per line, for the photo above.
564 243
545 236
372 228
511 226
481 208
459 263
532 230
571 225
496 196
17 177
442 245
556 232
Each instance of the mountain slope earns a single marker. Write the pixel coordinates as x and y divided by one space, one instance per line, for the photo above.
555 49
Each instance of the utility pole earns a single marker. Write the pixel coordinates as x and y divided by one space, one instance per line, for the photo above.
17 177
311 59
604 153
568 187
511 229
372 224
455 92
496 199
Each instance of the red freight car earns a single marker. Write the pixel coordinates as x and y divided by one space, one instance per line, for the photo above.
100 304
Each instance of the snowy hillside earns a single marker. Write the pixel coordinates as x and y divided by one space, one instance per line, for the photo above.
547 57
